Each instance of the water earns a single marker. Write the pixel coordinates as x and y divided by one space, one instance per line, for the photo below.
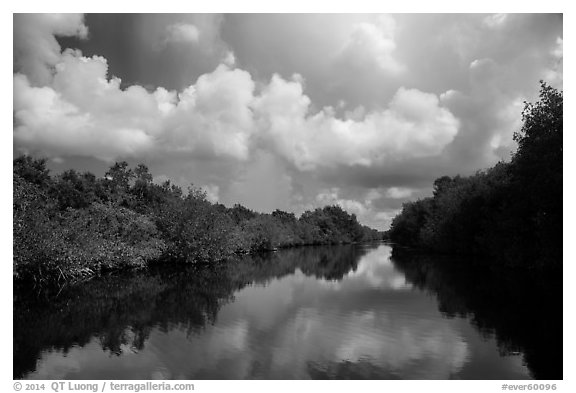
346 312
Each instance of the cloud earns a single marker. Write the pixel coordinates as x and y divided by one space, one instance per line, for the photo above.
213 116
218 116
83 112
495 20
413 125
212 192
372 45
398 192
554 73
491 113
49 123
229 59
36 50
182 33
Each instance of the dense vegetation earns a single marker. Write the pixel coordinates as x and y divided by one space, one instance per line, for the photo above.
511 212
74 225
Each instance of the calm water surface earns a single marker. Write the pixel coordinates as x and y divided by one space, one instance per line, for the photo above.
314 312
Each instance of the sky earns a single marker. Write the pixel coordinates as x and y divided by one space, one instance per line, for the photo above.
287 111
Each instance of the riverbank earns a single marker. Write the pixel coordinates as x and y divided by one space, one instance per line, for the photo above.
511 213
74 225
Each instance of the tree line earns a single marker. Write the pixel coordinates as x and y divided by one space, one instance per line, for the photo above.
74 225
511 212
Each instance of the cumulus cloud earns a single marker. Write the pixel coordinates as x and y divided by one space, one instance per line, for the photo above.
49 123
372 45
213 116
84 112
36 49
492 112
182 33
413 125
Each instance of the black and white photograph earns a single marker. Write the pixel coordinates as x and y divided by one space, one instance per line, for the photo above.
287 196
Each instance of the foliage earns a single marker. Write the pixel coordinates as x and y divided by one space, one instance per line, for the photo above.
511 212
32 170
538 169
194 230
53 246
74 225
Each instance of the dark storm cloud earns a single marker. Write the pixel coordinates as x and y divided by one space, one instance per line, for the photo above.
289 111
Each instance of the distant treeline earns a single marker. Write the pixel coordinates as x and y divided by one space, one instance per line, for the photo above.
75 224
511 212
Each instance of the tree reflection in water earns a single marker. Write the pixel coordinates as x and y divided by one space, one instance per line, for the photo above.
122 309
523 311
344 286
